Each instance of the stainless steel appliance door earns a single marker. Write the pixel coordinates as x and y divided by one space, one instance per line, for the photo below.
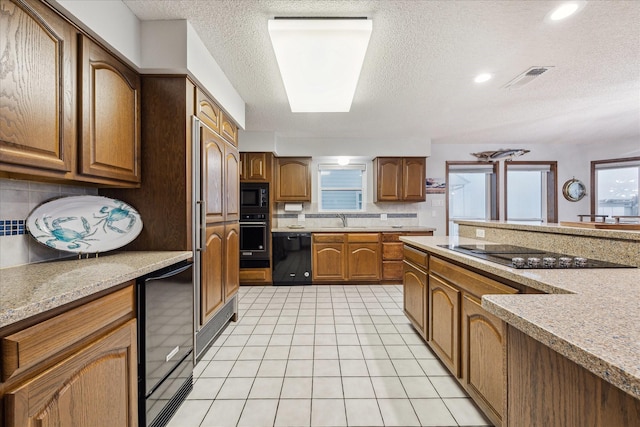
167 311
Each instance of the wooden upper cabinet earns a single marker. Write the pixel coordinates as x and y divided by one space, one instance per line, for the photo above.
213 160
293 179
256 166
110 115
229 130
413 178
400 179
389 179
207 111
232 183
37 95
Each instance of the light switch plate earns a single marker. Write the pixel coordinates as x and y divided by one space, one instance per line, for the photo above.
383 217
479 232
301 218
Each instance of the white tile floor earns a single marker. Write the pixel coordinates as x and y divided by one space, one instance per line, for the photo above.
323 356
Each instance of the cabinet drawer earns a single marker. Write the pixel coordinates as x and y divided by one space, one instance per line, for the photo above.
392 270
415 256
391 237
328 238
392 251
363 237
472 283
35 344
255 275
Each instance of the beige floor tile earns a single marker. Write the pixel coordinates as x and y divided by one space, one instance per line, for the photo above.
398 412
206 388
466 413
433 412
328 413
272 368
388 388
363 412
223 413
293 413
299 368
418 387
190 413
327 387
258 413
358 388
266 388
235 388
326 368
296 388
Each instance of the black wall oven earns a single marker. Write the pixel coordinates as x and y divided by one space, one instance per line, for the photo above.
255 233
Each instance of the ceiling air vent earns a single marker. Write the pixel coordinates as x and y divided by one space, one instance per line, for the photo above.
526 77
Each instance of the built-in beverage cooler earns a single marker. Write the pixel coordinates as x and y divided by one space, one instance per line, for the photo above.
165 342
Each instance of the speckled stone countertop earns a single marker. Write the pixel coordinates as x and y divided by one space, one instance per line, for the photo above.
556 229
591 316
367 229
35 288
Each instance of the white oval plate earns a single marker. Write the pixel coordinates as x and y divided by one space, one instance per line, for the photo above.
84 224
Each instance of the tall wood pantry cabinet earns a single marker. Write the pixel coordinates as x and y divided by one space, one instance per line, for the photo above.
69 109
165 197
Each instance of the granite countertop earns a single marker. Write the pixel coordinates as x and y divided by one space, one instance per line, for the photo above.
32 289
590 316
356 229
555 229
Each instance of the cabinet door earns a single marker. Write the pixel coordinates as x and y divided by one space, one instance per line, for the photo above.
413 179
256 167
110 115
364 261
228 130
329 262
95 387
444 328
231 183
389 179
483 358
293 179
232 259
212 278
37 81
415 296
207 111
213 161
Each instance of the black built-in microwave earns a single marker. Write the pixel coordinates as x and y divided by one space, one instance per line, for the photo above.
254 197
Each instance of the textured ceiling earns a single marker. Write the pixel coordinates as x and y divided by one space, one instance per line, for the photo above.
417 78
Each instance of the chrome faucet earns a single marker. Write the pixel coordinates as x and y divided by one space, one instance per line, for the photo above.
343 217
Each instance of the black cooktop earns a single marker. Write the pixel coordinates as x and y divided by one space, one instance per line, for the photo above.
521 257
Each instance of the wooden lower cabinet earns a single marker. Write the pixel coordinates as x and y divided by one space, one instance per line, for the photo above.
444 323
232 259
484 358
415 296
212 278
547 389
95 387
220 268
328 262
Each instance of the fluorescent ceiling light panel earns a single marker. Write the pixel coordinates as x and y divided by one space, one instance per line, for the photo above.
320 60
564 11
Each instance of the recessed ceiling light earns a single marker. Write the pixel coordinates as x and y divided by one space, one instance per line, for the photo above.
564 11
481 78
320 60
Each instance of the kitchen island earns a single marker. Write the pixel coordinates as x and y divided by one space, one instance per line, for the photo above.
585 318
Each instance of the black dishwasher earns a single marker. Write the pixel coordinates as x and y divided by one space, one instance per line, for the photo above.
291 258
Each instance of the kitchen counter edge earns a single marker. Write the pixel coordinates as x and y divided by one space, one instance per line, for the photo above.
371 229
32 289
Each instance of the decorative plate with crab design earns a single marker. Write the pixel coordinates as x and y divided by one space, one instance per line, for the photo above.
84 224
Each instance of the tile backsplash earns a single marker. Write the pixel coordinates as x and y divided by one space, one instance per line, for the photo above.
17 199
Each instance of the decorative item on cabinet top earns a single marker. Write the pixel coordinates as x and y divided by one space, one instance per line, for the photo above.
84 224
504 153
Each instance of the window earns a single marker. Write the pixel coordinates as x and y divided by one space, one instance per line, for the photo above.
341 188
615 184
471 192
530 194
